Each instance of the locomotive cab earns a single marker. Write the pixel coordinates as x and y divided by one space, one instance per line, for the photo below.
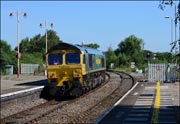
63 67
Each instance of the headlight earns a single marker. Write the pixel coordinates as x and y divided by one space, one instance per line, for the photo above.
64 73
52 75
77 73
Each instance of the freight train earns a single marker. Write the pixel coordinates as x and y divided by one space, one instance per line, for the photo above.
73 70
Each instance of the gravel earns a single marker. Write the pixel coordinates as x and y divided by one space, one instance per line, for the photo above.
68 113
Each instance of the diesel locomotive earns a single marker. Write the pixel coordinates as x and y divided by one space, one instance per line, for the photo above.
73 69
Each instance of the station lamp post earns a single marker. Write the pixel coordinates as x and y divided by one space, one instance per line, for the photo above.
175 20
168 17
46 28
18 38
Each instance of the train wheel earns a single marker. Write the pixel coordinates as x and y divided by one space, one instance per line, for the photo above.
77 89
45 94
84 89
59 95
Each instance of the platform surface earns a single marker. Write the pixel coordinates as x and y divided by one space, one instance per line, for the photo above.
10 83
138 106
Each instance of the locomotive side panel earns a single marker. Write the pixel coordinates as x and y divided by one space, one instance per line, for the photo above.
95 63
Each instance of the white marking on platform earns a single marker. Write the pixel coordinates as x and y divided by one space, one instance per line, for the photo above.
143 104
164 87
150 87
21 91
166 100
166 105
146 97
145 100
136 93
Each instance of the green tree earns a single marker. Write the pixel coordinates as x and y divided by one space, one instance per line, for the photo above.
25 45
38 43
111 58
164 57
7 56
92 45
32 50
35 58
129 50
52 39
123 59
5 53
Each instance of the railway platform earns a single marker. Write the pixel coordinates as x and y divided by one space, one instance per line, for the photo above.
147 103
10 83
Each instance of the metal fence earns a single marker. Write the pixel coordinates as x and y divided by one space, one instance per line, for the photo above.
163 73
28 68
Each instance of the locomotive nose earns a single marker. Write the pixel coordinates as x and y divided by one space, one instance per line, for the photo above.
77 73
64 73
53 75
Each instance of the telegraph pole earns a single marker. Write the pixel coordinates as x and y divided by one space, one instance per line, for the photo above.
18 39
46 29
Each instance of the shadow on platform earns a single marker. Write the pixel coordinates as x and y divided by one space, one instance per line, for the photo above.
142 115
34 83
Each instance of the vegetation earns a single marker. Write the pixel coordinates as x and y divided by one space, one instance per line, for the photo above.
129 50
177 18
32 50
7 56
91 45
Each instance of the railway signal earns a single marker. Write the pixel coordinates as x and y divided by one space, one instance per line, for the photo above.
148 55
51 25
18 55
11 14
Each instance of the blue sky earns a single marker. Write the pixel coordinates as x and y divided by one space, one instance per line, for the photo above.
106 23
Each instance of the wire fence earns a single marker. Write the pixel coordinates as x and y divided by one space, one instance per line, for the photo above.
28 68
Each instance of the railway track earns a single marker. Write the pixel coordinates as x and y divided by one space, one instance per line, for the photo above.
35 113
105 103
76 110
15 102
89 111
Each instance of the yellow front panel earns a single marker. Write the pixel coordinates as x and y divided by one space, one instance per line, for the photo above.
64 73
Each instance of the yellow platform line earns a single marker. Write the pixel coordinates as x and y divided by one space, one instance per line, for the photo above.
155 117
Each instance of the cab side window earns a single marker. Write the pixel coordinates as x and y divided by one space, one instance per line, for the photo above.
90 60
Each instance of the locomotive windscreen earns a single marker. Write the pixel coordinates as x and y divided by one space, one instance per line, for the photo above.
72 58
55 59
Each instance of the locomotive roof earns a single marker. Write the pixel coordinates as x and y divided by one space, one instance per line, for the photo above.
83 49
